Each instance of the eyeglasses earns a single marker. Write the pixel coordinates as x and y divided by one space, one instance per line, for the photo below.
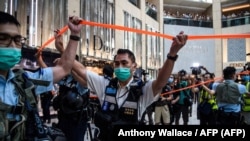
6 39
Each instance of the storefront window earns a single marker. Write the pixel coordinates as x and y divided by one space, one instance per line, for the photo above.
132 40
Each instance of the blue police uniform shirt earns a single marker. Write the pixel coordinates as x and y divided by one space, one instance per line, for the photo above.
8 94
231 107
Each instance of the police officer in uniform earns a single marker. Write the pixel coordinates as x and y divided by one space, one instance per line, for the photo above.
228 97
125 98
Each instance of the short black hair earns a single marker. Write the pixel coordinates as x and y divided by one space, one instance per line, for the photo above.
108 70
228 72
7 18
211 75
126 51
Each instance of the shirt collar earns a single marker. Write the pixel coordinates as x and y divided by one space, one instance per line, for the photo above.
10 75
229 80
128 85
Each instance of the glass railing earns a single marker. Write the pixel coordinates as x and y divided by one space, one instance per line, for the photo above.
236 21
188 22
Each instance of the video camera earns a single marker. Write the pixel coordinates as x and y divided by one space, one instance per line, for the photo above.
196 70
247 66
182 72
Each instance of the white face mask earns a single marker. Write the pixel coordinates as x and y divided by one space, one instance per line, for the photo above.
170 80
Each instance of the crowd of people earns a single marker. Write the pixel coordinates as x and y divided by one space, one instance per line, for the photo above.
193 16
232 19
123 97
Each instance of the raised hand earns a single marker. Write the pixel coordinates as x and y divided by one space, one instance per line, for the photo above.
178 42
74 25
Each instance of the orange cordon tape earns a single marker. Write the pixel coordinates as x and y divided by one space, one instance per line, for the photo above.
195 37
190 37
117 27
64 29
126 29
191 86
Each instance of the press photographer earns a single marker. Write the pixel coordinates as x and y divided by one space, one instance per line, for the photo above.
184 104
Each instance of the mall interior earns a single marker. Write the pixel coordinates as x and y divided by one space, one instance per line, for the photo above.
199 18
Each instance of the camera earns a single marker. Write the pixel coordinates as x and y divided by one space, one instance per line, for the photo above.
182 72
196 70
247 66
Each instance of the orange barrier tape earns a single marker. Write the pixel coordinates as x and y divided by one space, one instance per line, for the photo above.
117 27
190 37
62 30
191 86
195 37
127 29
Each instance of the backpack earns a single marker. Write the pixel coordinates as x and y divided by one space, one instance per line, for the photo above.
228 93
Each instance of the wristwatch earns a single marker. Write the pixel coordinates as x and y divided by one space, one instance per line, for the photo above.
74 37
173 58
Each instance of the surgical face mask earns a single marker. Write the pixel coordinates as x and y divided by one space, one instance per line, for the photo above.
122 73
246 78
170 80
9 57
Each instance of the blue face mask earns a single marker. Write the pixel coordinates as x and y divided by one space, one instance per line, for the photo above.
170 80
122 74
9 57
246 78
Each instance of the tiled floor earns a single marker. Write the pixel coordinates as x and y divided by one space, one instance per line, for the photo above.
193 119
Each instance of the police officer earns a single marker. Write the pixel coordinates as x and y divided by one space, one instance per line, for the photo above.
13 121
120 103
73 100
228 97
